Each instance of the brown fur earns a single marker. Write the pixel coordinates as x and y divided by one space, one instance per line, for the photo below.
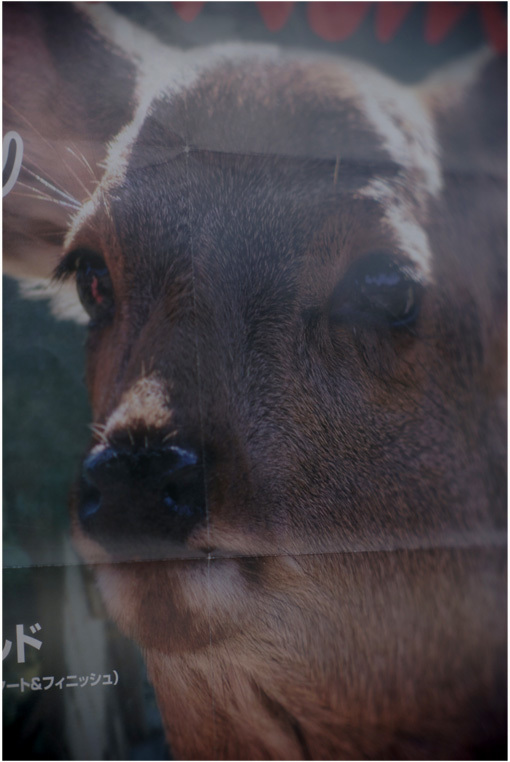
344 597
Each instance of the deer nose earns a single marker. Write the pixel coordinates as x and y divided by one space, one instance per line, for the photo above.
136 496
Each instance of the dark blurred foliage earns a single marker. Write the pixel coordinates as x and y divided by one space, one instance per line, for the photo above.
46 418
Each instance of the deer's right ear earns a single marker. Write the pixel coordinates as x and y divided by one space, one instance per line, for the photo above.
67 93
468 102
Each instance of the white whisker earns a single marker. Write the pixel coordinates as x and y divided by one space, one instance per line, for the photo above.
52 147
47 178
79 155
49 199
77 178
99 433
54 188
38 191
47 142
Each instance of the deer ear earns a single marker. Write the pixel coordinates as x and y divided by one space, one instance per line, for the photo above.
469 103
67 92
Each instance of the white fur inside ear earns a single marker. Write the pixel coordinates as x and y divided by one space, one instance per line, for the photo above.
63 300
447 87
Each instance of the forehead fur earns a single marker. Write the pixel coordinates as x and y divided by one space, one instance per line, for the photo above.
294 128
259 99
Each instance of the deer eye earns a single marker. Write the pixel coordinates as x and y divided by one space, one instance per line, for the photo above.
377 290
93 284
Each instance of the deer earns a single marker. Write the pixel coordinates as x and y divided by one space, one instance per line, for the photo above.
292 270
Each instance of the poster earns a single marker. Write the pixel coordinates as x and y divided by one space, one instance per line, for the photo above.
254 381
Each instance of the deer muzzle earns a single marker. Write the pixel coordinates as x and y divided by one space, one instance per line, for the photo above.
141 495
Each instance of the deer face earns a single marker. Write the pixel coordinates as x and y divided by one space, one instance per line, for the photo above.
292 358
272 319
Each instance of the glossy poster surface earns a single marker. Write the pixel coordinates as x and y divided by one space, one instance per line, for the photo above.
254 381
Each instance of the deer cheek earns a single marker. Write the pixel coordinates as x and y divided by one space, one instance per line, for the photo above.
99 371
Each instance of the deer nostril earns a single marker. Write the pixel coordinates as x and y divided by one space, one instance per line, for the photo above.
183 492
180 509
97 469
90 502
184 457
139 494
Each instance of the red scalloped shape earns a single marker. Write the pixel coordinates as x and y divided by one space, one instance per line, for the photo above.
495 25
187 11
440 20
336 21
389 18
275 15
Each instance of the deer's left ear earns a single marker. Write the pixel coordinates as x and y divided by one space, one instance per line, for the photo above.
469 103
67 92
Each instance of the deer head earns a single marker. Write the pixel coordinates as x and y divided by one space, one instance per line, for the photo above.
292 272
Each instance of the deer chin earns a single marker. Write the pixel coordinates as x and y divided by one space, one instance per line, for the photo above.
168 603
185 604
